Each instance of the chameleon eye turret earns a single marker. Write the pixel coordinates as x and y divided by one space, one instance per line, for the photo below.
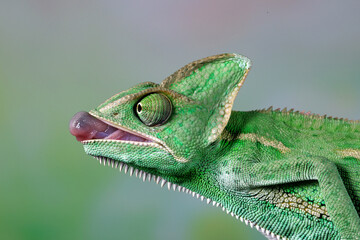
154 109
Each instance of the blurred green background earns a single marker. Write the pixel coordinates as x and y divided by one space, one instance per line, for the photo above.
60 57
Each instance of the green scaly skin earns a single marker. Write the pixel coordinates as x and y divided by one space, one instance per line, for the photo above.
291 175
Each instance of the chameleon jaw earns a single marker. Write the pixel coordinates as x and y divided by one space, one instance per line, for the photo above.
88 127
119 133
135 138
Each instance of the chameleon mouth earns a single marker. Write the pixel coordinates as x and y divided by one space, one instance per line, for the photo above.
86 127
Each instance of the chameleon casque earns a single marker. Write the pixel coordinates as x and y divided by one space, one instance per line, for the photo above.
290 175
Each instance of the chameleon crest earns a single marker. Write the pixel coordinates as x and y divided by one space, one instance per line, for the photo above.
288 174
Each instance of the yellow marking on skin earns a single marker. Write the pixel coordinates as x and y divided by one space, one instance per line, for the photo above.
355 153
267 142
255 138
281 199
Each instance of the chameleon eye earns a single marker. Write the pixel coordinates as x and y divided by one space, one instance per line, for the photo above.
154 109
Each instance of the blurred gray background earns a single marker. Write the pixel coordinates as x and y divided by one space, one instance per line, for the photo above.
60 57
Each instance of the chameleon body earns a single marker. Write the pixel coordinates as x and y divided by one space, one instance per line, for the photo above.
291 175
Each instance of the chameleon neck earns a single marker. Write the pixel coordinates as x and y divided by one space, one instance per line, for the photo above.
218 177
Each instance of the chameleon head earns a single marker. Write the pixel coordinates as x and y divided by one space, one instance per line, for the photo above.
165 129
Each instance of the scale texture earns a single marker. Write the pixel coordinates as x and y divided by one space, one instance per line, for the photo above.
291 175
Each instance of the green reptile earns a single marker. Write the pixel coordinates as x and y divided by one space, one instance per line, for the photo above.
291 175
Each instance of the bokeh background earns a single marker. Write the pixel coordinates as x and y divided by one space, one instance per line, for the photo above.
60 57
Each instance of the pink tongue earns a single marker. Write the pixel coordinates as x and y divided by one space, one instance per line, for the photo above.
125 136
84 126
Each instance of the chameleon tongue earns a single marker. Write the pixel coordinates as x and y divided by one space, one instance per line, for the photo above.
85 127
125 136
